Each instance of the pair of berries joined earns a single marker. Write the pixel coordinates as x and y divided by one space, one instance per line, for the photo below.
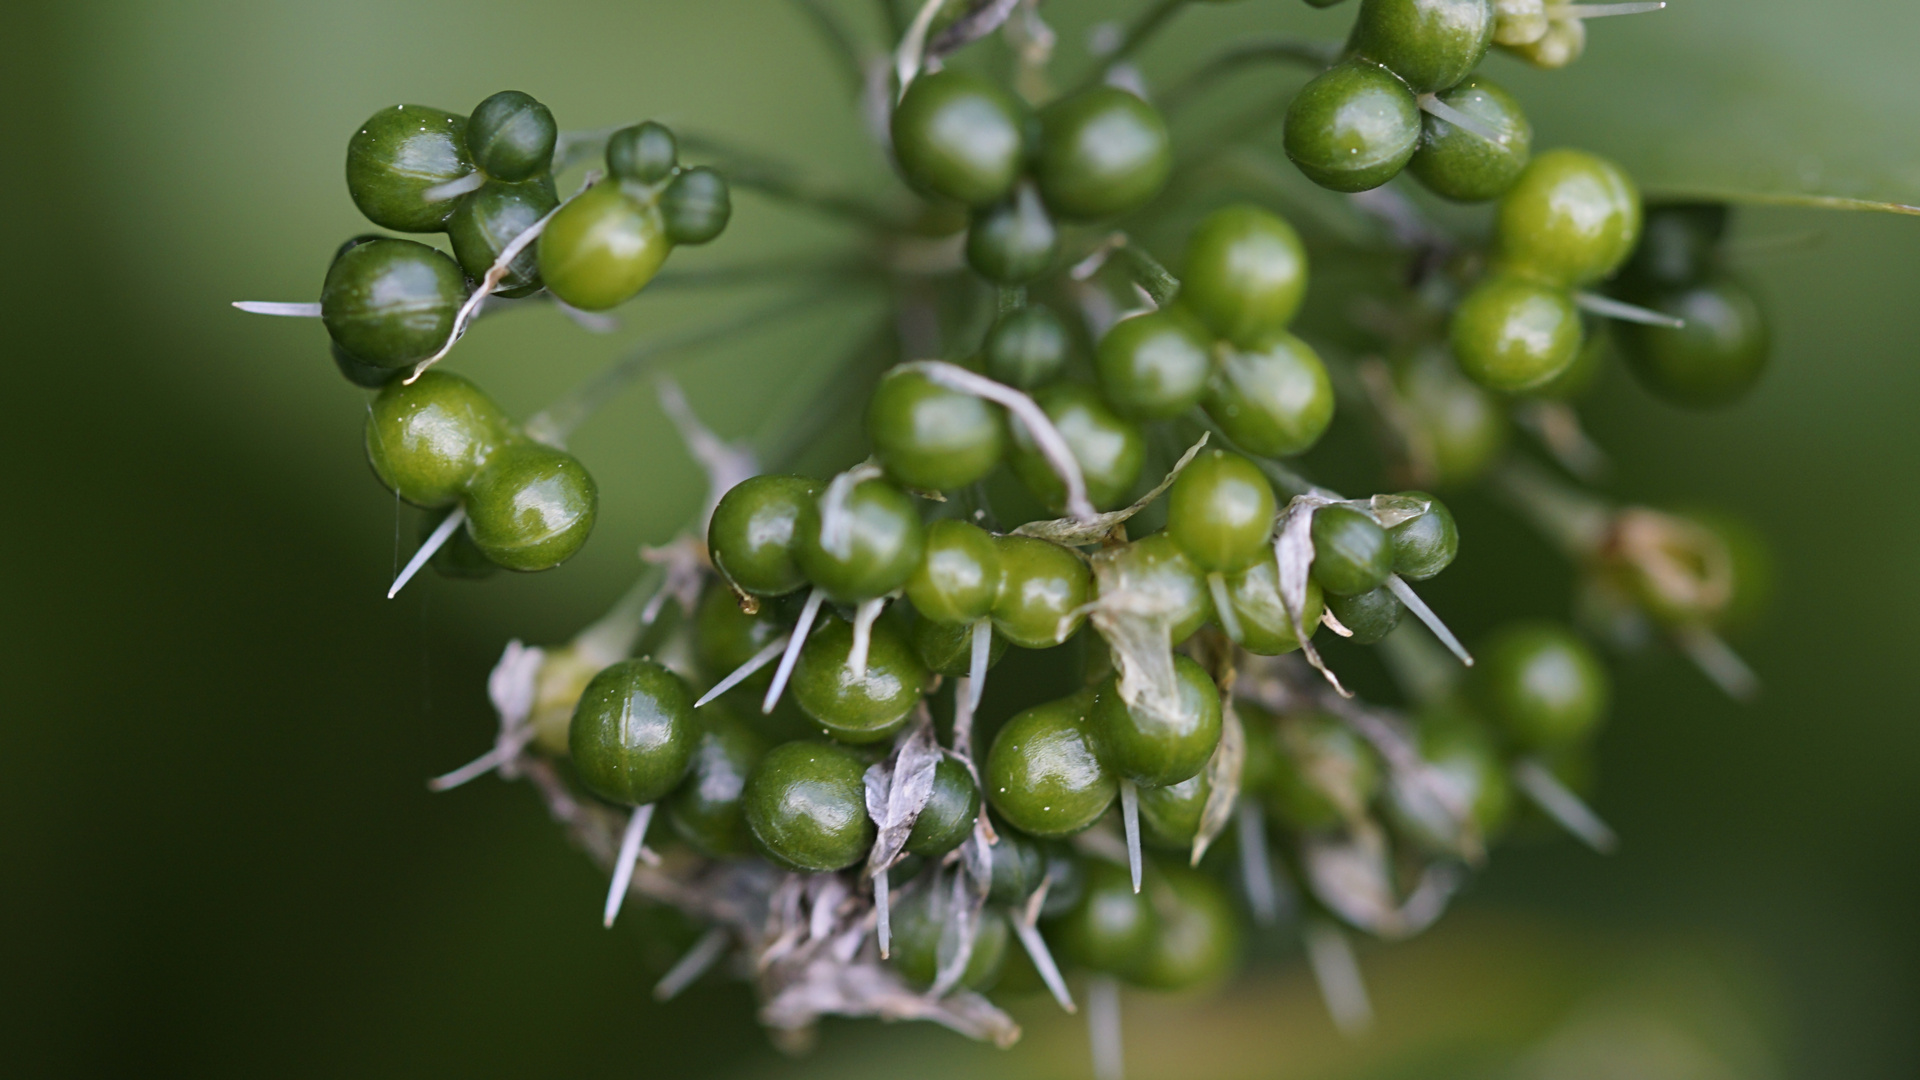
1679 270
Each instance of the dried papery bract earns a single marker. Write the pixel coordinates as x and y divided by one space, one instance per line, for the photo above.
898 789
1353 876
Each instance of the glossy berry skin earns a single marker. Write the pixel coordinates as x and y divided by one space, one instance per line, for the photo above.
708 809
1512 334
1042 774
391 303
1066 877
1245 273
918 923
1716 359
1170 815
396 156
1425 544
359 372
1103 153
1013 241
1017 867
1461 427
807 806
947 648
1432 44
426 441
1679 245
1112 928
634 732
1596 344
1353 128
1154 366
948 816
958 136
1159 747
1462 165
1159 573
725 637
1198 938
1541 685
1323 774
1371 616
696 206
487 220
1042 588
751 537
879 550
1111 451
857 710
1273 401
602 248
511 136
958 578
532 507
929 437
1265 629
1351 552
1569 220
645 153
1220 511
1027 348
1469 765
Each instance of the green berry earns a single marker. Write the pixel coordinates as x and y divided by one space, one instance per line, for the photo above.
1353 128
1153 745
751 539
1016 869
487 220
1112 928
921 924
645 153
958 136
1111 451
958 577
930 437
391 303
1103 153
1154 366
634 732
1715 359
1042 774
602 248
1541 685
1013 241
1466 166
725 637
1027 348
1258 762
511 136
1512 334
1370 615
947 648
1265 628
807 806
396 156
1459 428
1425 544
1198 935
1162 578
1432 44
1569 220
1466 762
875 551
1560 44
1519 22
1679 245
359 372
857 709
1170 815
427 440
1066 877
948 817
1220 511
1596 341
1043 586
708 809
1272 401
1351 552
696 206
531 507
1245 273
1323 774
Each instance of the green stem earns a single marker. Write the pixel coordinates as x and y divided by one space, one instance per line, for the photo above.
1159 282
1571 518
775 179
1149 23
1315 55
838 40
895 22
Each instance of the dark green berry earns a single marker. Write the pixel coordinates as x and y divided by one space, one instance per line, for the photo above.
1112 928
1432 44
924 930
1351 552
1272 401
427 440
930 437
1013 241
948 817
396 156
1512 333
391 302
1111 451
1596 342
875 551
1679 245
531 507
634 732
807 806
1197 937
857 709
958 578
1425 544
1265 628
1323 774
487 220
1170 815
1043 586
645 153
1042 774
1569 220
1154 366
1103 153
1353 128
696 206
1715 359
511 136
1220 511
1245 273
359 372
947 648
1459 429
1157 744
725 637
708 809
751 539
1370 615
1541 685
1466 166
959 137
1027 348
602 248
1018 865
1161 578
1466 763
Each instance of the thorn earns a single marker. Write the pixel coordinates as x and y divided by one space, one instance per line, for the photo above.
276 307
745 671
1337 971
623 863
1130 817
1563 806
699 959
1425 614
883 912
1256 872
977 670
1043 962
434 542
863 617
1608 307
473 181
1717 661
1103 1028
1431 103
792 656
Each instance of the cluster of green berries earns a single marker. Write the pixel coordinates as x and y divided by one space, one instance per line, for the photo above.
1679 270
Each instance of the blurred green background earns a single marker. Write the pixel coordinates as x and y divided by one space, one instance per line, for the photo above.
218 856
